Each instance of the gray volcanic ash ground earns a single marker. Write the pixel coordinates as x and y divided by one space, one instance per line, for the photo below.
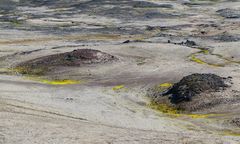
119 71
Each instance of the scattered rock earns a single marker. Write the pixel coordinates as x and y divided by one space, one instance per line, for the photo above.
155 14
229 13
203 32
127 41
29 52
193 85
195 3
235 122
189 43
144 4
150 28
230 77
164 28
69 99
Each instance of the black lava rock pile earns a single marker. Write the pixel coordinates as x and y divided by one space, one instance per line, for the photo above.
193 85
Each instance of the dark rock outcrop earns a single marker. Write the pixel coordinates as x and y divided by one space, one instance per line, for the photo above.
193 85
229 13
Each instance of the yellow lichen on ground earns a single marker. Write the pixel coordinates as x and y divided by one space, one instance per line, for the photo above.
197 60
164 108
29 71
59 82
193 57
18 69
53 82
118 87
205 51
23 70
198 116
231 133
173 112
166 85
161 87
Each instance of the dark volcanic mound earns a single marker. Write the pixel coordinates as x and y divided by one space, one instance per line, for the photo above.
229 13
77 57
193 85
225 37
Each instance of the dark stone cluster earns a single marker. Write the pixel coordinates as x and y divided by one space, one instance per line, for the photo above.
193 85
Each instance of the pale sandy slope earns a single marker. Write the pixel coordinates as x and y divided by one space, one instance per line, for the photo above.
92 112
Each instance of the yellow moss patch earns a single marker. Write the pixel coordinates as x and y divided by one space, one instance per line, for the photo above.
60 82
164 108
34 76
54 82
29 71
166 85
231 133
197 60
161 87
118 87
172 111
204 51
18 69
193 57
198 116
16 22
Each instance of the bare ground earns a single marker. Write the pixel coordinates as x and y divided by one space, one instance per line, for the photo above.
108 102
